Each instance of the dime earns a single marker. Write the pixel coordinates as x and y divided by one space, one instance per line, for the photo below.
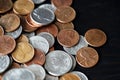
49 77
74 63
29 34
38 1
1 31
22 38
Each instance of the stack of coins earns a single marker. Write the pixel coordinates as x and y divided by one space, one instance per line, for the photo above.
28 31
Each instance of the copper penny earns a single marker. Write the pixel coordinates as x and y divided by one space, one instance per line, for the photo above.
68 37
39 58
58 3
51 49
95 37
87 57
15 65
5 5
65 14
10 22
22 38
23 7
1 31
7 44
52 29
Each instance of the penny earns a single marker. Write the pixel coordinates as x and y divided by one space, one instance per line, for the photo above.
39 58
73 50
22 38
4 63
1 31
52 29
58 62
59 3
40 43
7 44
87 57
23 53
49 77
15 65
15 34
5 5
65 14
38 1
23 7
95 37
10 22
19 74
68 37
51 49
38 71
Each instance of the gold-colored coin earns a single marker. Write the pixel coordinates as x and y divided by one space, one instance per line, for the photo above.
23 53
22 38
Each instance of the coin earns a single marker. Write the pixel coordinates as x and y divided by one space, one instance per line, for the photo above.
58 63
49 37
68 37
1 31
23 7
87 57
74 63
7 44
22 38
65 14
5 5
38 71
10 22
40 43
73 50
51 49
15 34
4 63
29 34
15 65
52 29
19 74
49 77
23 53
38 1
95 37
39 58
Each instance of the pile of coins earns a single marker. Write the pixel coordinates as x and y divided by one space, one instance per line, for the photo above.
27 36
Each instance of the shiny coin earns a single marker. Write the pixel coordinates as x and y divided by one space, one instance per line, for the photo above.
40 43
50 77
38 1
68 37
22 38
7 44
38 71
4 63
73 50
65 14
49 37
58 63
87 57
1 31
19 74
23 53
15 34
10 22
74 63
95 37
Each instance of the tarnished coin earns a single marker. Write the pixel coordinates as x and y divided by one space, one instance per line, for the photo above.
22 38
73 50
87 57
23 7
65 14
15 65
49 37
7 44
38 71
10 22
95 37
50 77
29 34
15 34
38 1
5 5
68 37
4 63
58 63
19 74
1 31
23 52
40 43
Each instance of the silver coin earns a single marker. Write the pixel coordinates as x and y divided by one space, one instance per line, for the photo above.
74 63
19 74
38 71
42 16
29 34
49 37
58 63
4 63
15 34
50 77
81 75
40 43
38 1
73 50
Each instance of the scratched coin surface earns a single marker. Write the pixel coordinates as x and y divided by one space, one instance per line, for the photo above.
1 31
4 63
87 57
38 1
40 43
58 63
19 74
50 77
73 50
